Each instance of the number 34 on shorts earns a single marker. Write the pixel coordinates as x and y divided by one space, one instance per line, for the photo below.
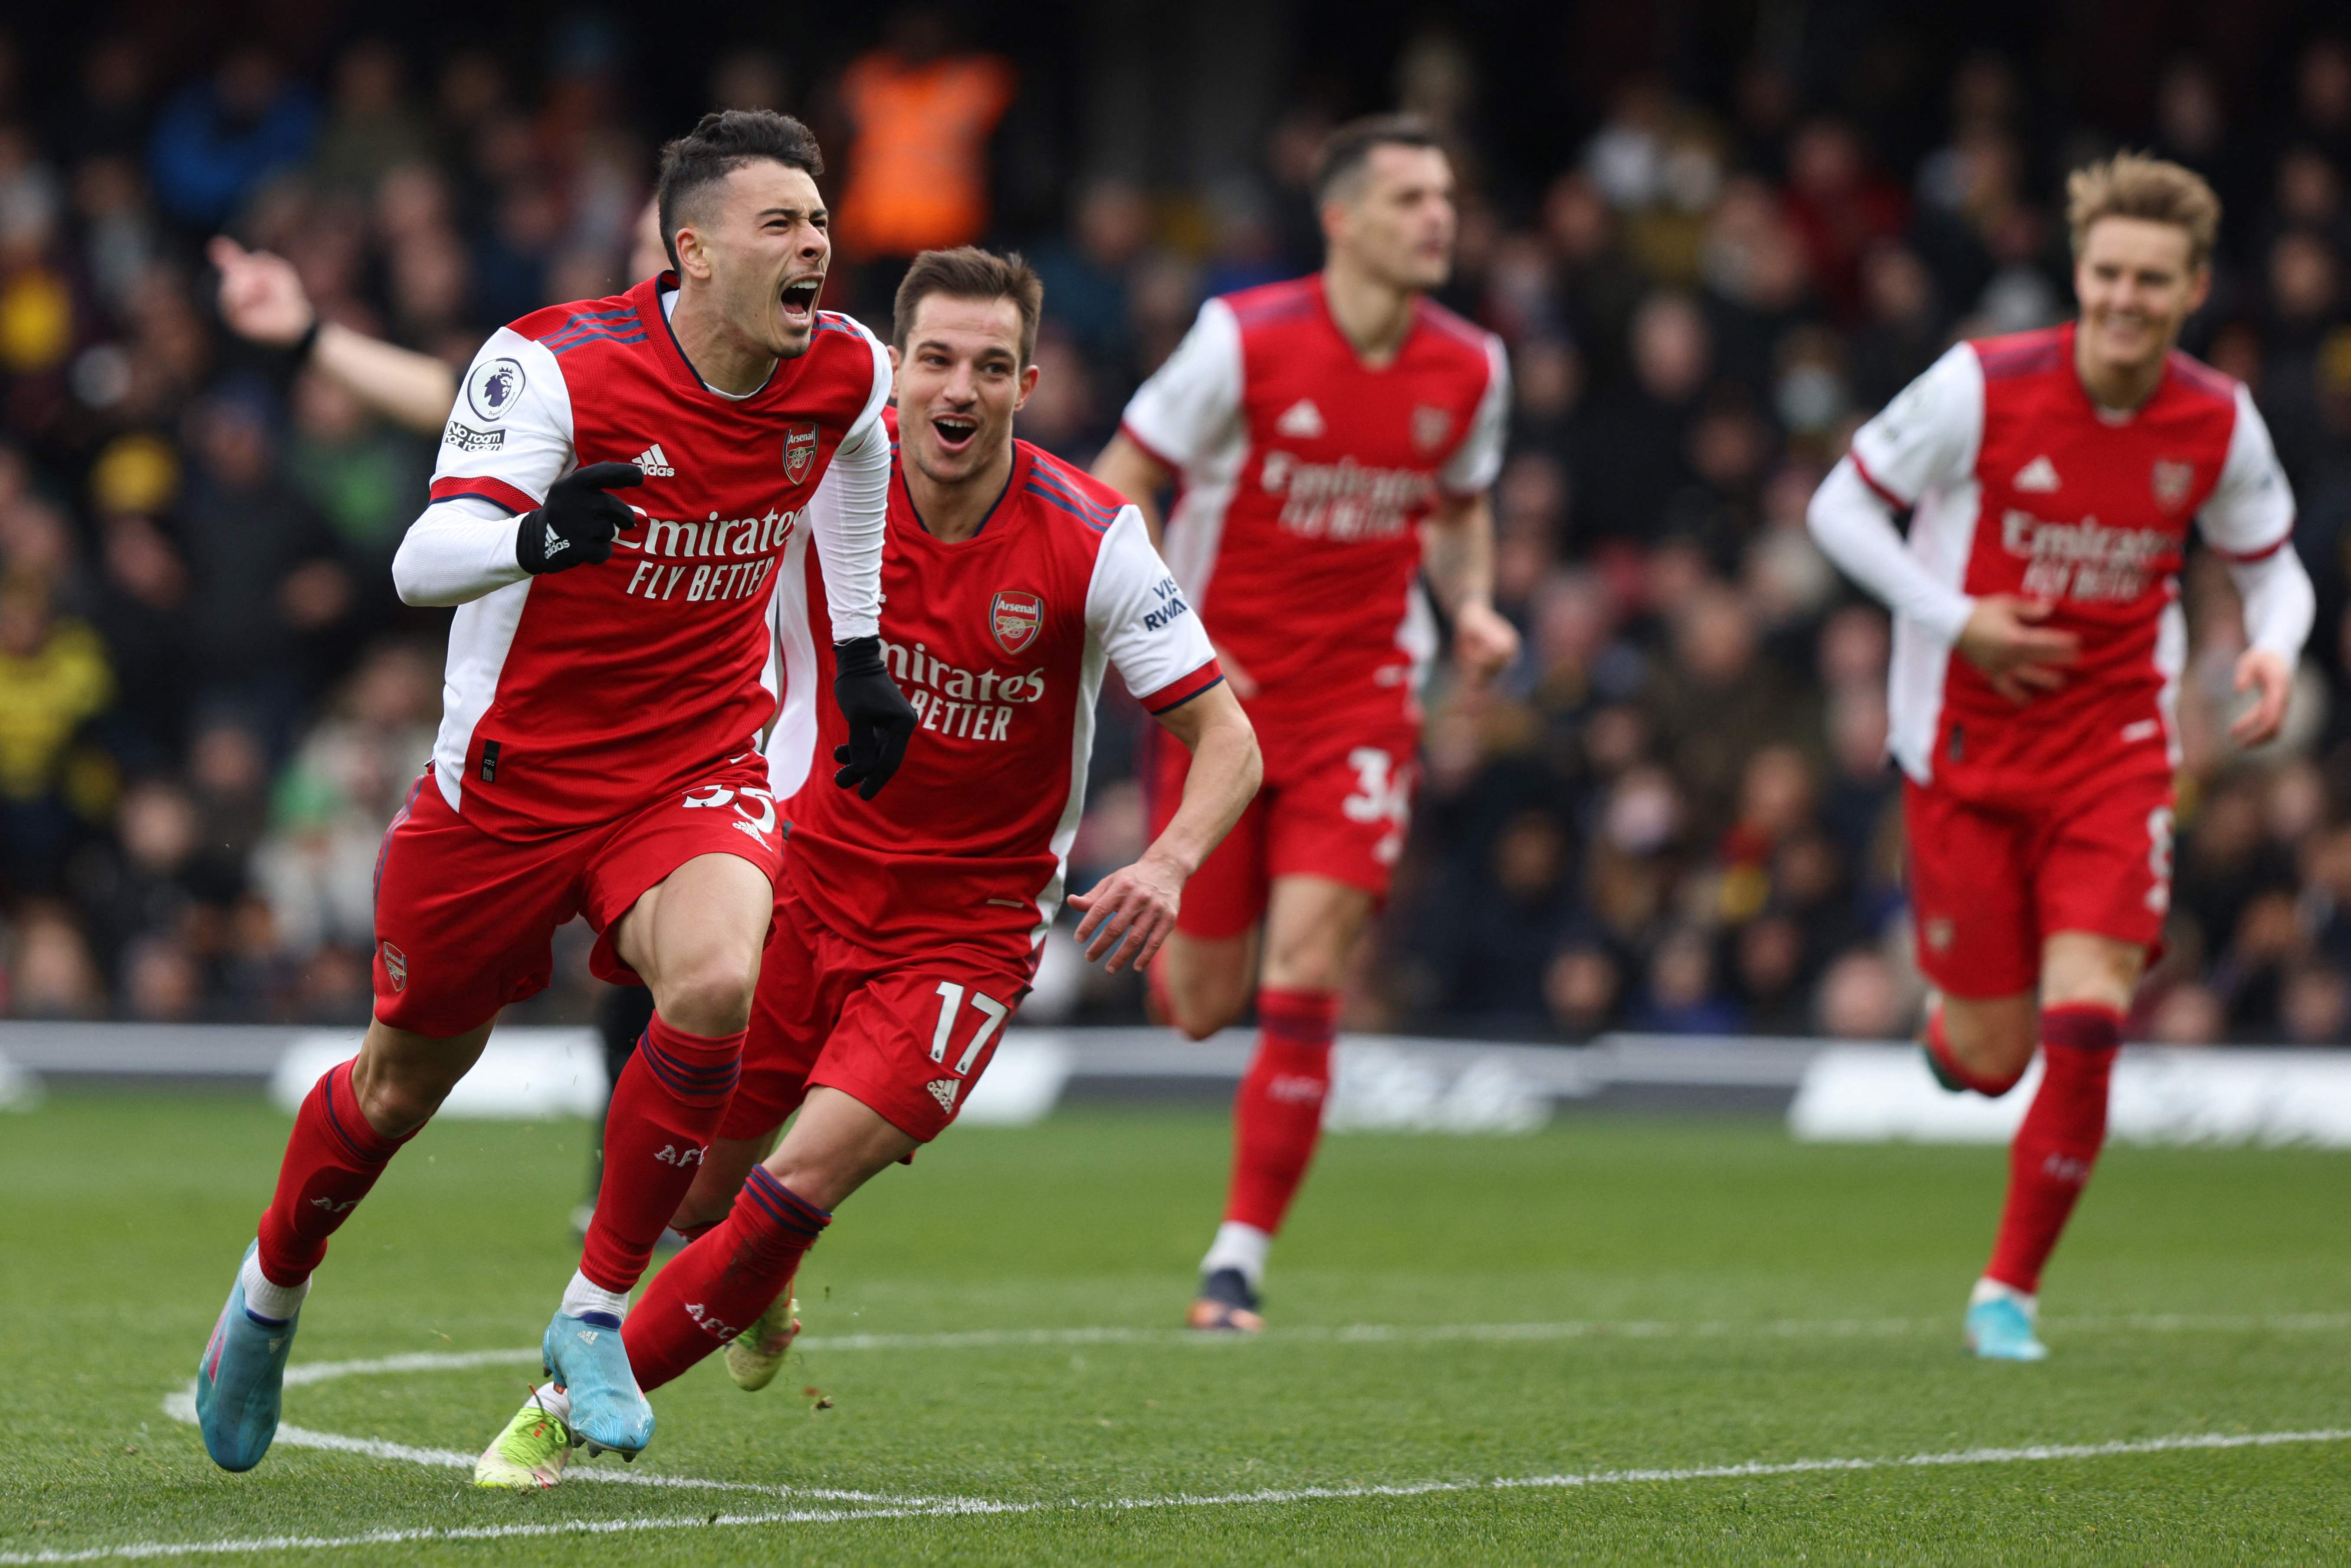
1382 793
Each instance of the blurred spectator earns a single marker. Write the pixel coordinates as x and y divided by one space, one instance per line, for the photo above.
53 679
920 114
50 975
1086 274
370 129
218 140
1861 999
266 584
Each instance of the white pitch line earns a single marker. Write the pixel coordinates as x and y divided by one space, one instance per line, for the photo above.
2037 1453
1385 1333
182 1406
1435 1333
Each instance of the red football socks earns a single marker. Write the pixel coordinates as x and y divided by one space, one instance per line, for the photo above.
332 1159
718 1287
2055 1148
1278 1114
1939 1045
664 1109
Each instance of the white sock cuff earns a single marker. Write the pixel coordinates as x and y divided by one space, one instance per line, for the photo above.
584 1295
266 1298
1239 1246
1990 1289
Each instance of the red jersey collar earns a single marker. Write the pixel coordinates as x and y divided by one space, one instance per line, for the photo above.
646 297
1002 512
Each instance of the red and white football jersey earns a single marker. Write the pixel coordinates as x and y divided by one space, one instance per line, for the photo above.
2022 486
1000 641
1306 474
573 697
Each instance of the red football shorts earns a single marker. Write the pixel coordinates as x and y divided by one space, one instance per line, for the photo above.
464 922
1335 802
1990 883
907 1036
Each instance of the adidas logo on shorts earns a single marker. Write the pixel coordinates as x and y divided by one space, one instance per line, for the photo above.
656 466
942 1089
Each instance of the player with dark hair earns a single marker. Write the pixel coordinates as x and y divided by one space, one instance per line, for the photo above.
1335 436
2051 477
610 670
906 934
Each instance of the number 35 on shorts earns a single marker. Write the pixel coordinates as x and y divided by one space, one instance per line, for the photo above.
1382 794
757 824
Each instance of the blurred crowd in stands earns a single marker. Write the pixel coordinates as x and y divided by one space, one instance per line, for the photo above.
1673 815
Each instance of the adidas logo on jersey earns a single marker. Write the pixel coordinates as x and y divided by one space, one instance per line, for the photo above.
1302 420
942 1089
656 466
2039 476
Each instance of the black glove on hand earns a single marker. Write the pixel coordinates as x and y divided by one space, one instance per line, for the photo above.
580 521
880 717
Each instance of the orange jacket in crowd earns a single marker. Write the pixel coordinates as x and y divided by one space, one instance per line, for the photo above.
917 161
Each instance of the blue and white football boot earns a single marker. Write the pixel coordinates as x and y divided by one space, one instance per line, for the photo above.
1999 1325
241 1381
608 1410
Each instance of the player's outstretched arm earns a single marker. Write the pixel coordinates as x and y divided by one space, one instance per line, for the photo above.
1130 913
262 299
1458 560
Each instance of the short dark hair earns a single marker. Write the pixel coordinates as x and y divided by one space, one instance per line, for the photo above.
967 272
722 142
1348 149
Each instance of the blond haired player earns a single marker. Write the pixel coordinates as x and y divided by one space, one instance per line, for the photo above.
2053 478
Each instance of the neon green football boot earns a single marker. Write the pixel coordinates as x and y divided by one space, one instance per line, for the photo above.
754 1355
531 1452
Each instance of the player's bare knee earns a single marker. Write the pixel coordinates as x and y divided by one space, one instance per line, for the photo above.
1195 1019
1994 1039
396 1103
710 998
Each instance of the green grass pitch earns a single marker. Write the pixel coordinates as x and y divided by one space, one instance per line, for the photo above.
1701 1295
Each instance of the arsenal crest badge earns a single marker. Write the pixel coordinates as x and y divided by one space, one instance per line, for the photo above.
395 965
1015 616
800 452
2172 482
1430 426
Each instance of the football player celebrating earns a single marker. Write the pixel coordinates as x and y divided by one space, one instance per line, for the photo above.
906 932
609 672
1335 436
2051 477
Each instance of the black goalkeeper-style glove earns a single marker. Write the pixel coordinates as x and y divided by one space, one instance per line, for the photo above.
881 719
580 521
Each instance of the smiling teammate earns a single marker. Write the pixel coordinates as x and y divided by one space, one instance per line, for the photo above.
609 672
1336 437
2053 477
907 932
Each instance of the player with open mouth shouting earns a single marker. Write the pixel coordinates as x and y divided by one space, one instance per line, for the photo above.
610 670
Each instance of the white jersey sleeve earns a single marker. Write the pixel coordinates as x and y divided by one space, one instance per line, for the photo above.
1928 437
509 435
2251 511
508 440
1479 458
848 534
1139 617
1192 404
